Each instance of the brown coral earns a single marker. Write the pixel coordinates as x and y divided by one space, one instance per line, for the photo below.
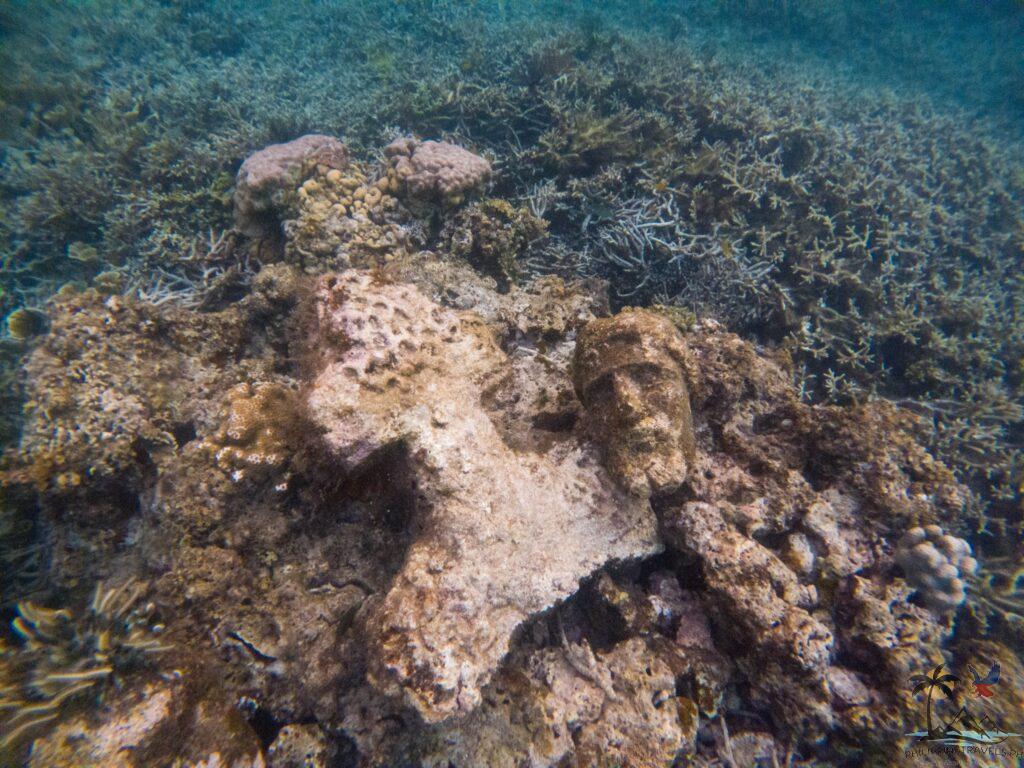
346 218
255 433
491 235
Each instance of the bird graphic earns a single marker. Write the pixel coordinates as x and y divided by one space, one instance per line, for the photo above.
983 685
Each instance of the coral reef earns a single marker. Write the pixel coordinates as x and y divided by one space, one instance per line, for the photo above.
678 158
785 212
584 141
465 527
255 433
346 219
410 475
133 403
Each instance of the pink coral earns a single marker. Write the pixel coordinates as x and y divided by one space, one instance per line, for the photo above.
265 175
436 169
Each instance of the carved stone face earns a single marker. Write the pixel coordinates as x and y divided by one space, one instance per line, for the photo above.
629 376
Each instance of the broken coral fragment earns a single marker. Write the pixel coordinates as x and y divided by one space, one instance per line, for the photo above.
501 535
629 373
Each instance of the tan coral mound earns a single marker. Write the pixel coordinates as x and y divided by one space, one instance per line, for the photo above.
437 170
273 173
501 535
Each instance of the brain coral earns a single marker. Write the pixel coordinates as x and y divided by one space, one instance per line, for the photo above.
275 170
437 169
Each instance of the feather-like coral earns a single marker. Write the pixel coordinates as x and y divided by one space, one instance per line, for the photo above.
63 656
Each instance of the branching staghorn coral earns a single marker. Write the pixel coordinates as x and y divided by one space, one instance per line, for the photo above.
871 234
63 657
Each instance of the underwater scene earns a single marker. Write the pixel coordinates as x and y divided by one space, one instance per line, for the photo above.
511 383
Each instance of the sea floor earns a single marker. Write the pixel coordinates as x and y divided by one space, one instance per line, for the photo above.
510 384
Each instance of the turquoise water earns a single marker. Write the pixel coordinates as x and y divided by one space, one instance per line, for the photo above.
840 183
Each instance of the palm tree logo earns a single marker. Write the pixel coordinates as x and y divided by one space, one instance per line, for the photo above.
935 679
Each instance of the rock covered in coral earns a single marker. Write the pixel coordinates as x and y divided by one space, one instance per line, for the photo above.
130 398
785 527
936 565
119 387
163 723
274 172
139 381
491 235
300 746
411 574
751 590
557 705
629 374
502 535
436 170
